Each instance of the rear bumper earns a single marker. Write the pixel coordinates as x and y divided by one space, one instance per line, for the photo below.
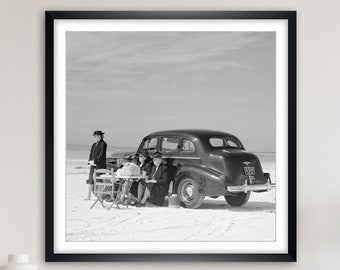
246 188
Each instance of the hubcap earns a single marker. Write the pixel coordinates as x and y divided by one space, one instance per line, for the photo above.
188 192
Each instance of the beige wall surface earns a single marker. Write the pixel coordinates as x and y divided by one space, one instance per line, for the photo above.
22 127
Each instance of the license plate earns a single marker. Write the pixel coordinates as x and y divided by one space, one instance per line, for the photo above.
249 170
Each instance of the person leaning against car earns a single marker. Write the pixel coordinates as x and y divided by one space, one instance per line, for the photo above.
97 158
159 176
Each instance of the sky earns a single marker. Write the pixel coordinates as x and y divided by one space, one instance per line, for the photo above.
129 84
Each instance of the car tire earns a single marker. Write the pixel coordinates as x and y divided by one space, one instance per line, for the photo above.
189 194
237 199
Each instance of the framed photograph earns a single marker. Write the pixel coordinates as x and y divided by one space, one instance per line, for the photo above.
170 136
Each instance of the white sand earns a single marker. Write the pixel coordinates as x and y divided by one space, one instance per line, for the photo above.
213 221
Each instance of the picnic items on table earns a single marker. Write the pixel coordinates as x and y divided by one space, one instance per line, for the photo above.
129 169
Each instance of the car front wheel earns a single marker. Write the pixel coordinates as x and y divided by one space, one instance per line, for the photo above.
188 192
237 199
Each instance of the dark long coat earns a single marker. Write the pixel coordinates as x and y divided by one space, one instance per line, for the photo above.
160 188
98 154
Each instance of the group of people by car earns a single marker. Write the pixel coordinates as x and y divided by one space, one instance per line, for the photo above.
153 188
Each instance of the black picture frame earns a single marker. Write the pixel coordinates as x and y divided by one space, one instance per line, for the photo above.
50 17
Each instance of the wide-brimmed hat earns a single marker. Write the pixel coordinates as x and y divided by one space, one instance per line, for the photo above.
157 155
98 132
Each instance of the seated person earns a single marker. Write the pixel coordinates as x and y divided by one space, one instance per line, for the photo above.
157 184
144 162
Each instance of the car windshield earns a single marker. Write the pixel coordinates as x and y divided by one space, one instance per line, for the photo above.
225 142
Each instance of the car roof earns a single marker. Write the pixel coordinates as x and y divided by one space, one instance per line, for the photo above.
197 133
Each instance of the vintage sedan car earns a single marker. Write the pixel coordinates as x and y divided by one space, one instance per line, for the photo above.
206 163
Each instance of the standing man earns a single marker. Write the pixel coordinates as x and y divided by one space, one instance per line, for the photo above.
97 158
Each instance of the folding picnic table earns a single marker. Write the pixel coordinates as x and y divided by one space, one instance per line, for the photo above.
128 180
117 187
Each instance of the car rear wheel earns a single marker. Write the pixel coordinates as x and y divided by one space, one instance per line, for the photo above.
237 199
188 192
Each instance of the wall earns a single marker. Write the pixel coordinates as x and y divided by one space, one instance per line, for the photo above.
22 126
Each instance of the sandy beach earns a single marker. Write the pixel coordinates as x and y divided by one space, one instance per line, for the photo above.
215 220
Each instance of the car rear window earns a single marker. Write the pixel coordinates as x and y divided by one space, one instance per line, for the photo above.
225 142
232 143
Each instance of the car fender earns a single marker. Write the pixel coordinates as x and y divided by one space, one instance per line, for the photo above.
210 182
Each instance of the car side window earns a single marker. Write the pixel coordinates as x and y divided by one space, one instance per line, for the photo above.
216 142
187 146
170 145
150 145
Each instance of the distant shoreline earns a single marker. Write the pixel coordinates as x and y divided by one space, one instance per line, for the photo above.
126 148
85 160
72 145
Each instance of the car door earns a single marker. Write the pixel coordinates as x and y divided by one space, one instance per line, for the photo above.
188 152
169 146
150 144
